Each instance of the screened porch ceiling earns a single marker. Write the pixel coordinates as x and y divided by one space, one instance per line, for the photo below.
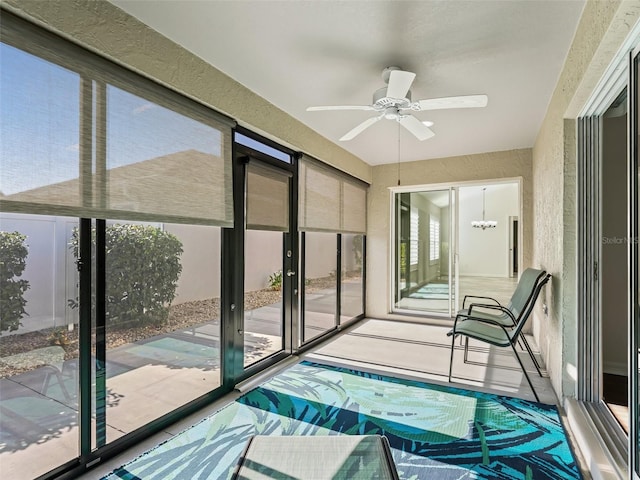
297 54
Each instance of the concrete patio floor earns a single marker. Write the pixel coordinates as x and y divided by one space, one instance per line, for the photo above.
144 380
152 377
408 350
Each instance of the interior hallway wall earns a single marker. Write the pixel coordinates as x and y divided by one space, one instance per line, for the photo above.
478 167
614 258
486 252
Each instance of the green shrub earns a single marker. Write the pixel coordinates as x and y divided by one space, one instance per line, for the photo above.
357 249
275 280
142 272
13 261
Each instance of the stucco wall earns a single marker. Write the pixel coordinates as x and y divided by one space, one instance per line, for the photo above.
602 29
107 30
467 168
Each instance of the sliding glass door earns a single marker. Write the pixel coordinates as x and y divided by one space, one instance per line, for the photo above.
115 192
425 248
608 276
261 256
454 241
332 221
634 266
266 232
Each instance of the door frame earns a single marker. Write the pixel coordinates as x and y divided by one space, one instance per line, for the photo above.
514 267
233 244
394 230
633 95
453 253
619 75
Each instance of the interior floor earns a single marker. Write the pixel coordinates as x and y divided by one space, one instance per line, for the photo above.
615 391
403 349
500 288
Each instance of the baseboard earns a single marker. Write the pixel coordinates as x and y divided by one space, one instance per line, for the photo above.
488 275
252 382
615 368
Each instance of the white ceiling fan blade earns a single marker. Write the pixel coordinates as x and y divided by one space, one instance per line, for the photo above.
415 126
360 128
399 83
340 107
466 101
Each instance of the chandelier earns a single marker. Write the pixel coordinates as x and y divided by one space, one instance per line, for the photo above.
483 224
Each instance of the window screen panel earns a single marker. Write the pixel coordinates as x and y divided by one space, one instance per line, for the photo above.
267 199
319 208
354 210
82 137
330 201
162 162
40 125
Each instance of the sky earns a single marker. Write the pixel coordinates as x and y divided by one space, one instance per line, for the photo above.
40 128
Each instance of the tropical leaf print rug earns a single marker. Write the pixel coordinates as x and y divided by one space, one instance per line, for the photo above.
435 432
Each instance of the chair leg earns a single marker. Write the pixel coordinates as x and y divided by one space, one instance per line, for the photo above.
533 358
453 340
466 349
515 352
49 371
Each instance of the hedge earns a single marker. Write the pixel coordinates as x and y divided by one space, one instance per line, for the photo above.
13 261
142 272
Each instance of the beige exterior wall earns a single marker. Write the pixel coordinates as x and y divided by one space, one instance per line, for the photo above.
200 260
107 30
467 168
602 29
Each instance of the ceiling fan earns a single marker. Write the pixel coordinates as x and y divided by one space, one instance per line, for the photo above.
393 102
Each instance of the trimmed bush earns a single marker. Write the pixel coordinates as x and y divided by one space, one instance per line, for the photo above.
275 280
13 261
357 249
142 272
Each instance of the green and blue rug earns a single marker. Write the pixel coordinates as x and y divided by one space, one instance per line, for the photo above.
434 431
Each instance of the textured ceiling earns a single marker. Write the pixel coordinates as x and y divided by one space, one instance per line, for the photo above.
297 54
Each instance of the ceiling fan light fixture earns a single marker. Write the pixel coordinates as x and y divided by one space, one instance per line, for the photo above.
392 113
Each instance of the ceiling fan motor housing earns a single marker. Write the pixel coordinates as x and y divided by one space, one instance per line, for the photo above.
381 101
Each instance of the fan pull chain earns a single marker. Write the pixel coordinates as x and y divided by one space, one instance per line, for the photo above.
398 152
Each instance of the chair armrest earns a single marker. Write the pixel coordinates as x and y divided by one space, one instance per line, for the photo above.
500 308
476 296
467 318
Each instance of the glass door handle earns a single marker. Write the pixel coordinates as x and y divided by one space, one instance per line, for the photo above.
290 273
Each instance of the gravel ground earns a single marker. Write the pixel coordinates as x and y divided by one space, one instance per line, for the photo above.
182 316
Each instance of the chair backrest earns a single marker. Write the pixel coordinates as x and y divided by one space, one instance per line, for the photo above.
523 293
529 308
